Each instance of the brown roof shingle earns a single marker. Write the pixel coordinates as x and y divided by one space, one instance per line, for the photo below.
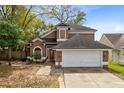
80 27
114 38
77 43
117 39
120 43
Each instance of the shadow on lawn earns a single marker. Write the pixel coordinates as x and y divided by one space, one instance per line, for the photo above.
84 70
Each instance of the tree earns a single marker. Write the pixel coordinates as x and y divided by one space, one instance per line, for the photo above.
28 20
63 13
10 36
23 16
79 19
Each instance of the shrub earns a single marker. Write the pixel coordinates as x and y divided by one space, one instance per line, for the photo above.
36 56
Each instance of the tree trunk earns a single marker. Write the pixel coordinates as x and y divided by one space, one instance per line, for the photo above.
10 56
25 51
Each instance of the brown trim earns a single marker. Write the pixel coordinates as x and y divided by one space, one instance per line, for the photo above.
105 56
58 56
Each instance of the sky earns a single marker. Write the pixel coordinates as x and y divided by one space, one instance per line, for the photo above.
106 19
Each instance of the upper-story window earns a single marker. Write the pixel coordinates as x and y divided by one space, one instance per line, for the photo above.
62 34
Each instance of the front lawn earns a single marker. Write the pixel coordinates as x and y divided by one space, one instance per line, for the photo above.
117 69
24 76
5 70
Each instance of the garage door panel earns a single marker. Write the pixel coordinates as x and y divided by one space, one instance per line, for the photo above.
80 58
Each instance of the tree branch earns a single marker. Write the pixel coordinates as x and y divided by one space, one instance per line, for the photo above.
25 18
30 20
2 11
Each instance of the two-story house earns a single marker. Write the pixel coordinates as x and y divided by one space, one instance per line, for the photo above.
70 46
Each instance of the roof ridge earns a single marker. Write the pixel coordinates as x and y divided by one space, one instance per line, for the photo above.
46 33
83 26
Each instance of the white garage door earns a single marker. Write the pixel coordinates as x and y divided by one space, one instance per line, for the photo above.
81 58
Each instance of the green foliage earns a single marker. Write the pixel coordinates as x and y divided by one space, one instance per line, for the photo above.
36 56
50 26
10 34
116 67
32 25
17 25
25 18
79 19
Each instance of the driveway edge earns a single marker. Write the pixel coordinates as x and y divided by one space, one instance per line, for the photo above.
61 81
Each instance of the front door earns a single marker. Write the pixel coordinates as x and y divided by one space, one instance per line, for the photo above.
105 56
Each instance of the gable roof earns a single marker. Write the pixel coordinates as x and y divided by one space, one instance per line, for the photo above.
76 26
114 38
77 43
34 40
117 39
45 33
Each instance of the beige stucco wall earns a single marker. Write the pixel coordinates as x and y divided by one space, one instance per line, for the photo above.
115 57
121 57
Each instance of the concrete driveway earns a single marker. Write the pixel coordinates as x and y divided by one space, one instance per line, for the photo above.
91 78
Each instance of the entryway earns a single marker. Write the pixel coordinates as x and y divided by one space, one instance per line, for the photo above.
37 53
105 57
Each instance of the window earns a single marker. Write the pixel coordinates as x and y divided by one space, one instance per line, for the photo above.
62 34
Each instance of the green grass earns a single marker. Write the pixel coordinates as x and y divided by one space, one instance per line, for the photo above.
117 69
